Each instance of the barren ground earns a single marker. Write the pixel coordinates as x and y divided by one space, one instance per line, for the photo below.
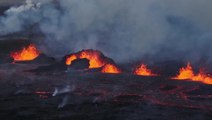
95 96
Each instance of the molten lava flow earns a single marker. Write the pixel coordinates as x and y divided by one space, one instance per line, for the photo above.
94 59
110 68
188 73
144 71
93 56
26 54
70 59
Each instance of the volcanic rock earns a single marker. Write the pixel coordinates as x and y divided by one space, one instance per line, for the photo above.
90 54
5 59
58 66
80 64
41 59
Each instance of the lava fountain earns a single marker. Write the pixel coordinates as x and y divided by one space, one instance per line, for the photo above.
95 58
187 73
143 71
26 54
70 58
110 68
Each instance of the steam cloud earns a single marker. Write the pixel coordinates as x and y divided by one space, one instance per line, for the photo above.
122 29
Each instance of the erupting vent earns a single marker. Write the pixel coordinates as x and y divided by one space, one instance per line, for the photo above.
110 68
96 59
105 59
106 65
188 73
144 71
26 54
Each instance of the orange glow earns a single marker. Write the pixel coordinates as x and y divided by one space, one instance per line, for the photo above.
110 68
70 59
144 71
26 54
188 73
94 59
93 56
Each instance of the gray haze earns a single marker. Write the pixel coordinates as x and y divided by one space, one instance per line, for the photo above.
10 2
122 29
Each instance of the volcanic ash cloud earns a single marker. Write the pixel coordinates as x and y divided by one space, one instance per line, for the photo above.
122 29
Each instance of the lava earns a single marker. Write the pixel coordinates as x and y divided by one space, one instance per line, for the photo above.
26 54
110 68
144 71
41 92
70 59
187 73
94 57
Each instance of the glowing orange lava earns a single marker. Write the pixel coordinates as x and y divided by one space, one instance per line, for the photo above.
26 54
188 73
94 59
93 56
70 59
144 71
110 68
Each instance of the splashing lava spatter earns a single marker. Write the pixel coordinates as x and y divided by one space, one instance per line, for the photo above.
93 56
110 68
26 54
188 73
144 71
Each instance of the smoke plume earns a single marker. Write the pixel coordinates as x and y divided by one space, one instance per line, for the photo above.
122 29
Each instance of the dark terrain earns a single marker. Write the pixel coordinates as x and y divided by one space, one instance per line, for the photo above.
90 95
83 95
